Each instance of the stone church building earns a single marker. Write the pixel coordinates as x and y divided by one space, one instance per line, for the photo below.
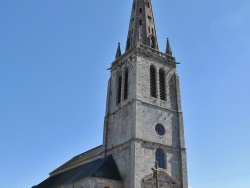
143 140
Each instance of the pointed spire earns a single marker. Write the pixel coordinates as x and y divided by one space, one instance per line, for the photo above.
168 48
142 26
118 52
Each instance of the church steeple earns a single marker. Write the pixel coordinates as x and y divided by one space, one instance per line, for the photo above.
142 26
143 123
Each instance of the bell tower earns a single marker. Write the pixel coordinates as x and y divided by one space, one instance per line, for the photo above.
144 121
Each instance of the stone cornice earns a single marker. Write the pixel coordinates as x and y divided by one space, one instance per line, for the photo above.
137 100
144 50
126 144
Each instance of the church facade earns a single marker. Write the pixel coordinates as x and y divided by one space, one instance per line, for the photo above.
143 141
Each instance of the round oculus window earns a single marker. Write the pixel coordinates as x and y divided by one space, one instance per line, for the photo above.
160 129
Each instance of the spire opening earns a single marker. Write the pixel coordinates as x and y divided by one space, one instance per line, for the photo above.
153 41
148 4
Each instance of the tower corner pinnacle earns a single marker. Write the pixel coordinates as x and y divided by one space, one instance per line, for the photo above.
118 51
168 48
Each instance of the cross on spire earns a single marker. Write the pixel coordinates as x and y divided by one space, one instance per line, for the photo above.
142 26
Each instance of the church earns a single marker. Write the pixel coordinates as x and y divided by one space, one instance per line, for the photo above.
143 139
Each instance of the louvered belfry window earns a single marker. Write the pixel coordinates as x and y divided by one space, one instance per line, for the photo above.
126 85
162 84
119 89
159 157
152 82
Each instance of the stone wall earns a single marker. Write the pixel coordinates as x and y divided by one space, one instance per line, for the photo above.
94 183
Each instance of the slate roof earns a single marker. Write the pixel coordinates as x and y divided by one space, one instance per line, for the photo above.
100 168
79 159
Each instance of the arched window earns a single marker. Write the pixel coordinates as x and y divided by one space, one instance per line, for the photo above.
119 89
162 84
152 81
125 85
159 157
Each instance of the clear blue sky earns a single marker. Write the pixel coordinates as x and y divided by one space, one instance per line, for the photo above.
54 57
